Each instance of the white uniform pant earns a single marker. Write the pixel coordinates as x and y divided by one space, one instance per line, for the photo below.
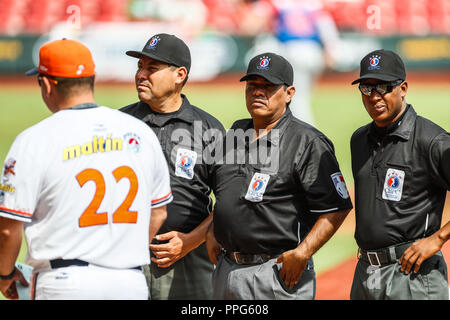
89 283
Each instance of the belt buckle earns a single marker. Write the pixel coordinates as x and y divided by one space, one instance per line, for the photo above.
369 253
236 257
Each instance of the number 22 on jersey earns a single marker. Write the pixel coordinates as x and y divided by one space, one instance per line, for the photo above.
90 216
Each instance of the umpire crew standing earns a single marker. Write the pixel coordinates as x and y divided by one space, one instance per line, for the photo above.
401 168
270 217
181 268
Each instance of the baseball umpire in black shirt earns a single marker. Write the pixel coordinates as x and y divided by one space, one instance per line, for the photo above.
279 194
180 267
401 169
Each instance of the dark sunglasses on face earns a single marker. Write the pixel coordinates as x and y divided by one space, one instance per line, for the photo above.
381 88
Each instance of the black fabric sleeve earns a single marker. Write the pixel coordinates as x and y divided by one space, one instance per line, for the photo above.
320 178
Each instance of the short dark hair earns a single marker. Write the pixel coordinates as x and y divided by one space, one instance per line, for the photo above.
70 86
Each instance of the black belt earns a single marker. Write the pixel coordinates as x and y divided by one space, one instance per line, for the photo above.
246 258
63 263
385 256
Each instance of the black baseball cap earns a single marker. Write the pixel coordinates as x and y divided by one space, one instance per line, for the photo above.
272 67
383 65
166 48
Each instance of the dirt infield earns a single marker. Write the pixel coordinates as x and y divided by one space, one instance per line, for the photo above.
335 283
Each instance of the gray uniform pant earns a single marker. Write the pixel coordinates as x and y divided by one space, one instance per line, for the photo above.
390 283
187 279
232 281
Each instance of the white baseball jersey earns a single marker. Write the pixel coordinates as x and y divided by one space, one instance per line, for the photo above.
84 182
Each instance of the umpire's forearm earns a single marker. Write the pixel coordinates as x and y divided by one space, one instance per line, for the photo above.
157 218
10 243
198 235
324 228
444 233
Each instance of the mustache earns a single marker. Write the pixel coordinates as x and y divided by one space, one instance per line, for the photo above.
259 100
142 83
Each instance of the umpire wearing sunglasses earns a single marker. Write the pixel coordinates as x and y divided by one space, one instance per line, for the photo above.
401 169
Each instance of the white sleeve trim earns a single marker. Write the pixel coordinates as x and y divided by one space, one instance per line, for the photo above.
162 201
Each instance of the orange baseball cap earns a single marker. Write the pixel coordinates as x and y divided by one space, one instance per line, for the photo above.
64 58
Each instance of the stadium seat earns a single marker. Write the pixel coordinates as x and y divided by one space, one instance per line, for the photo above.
403 17
412 17
12 19
348 15
88 10
439 16
113 10
41 14
386 25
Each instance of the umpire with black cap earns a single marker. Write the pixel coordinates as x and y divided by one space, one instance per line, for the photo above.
273 212
180 267
401 169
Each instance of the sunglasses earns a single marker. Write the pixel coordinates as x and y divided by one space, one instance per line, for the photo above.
381 88
39 79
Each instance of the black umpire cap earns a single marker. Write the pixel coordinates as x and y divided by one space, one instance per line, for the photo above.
383 65
166 48
272 67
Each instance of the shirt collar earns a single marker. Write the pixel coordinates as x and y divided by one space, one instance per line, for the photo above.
185 113
281 126
82 106
403 128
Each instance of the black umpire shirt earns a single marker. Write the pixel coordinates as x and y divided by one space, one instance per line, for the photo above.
401 176
183 140
264 208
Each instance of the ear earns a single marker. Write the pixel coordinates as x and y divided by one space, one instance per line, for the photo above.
46 86
181 74
403 89
290 92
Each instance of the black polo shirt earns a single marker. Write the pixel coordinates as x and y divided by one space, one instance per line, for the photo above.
270 208
183 140
401 177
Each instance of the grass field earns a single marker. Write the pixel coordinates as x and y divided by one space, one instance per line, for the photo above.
338 111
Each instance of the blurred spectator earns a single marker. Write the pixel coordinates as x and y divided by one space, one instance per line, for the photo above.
221 15
242 17
307 36
255 16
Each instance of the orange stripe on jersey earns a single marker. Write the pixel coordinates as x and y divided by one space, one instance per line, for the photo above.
163 198
16 211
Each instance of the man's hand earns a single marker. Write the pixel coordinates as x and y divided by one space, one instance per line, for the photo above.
424 249
418 252
172 251
179 244
8 287
294 263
